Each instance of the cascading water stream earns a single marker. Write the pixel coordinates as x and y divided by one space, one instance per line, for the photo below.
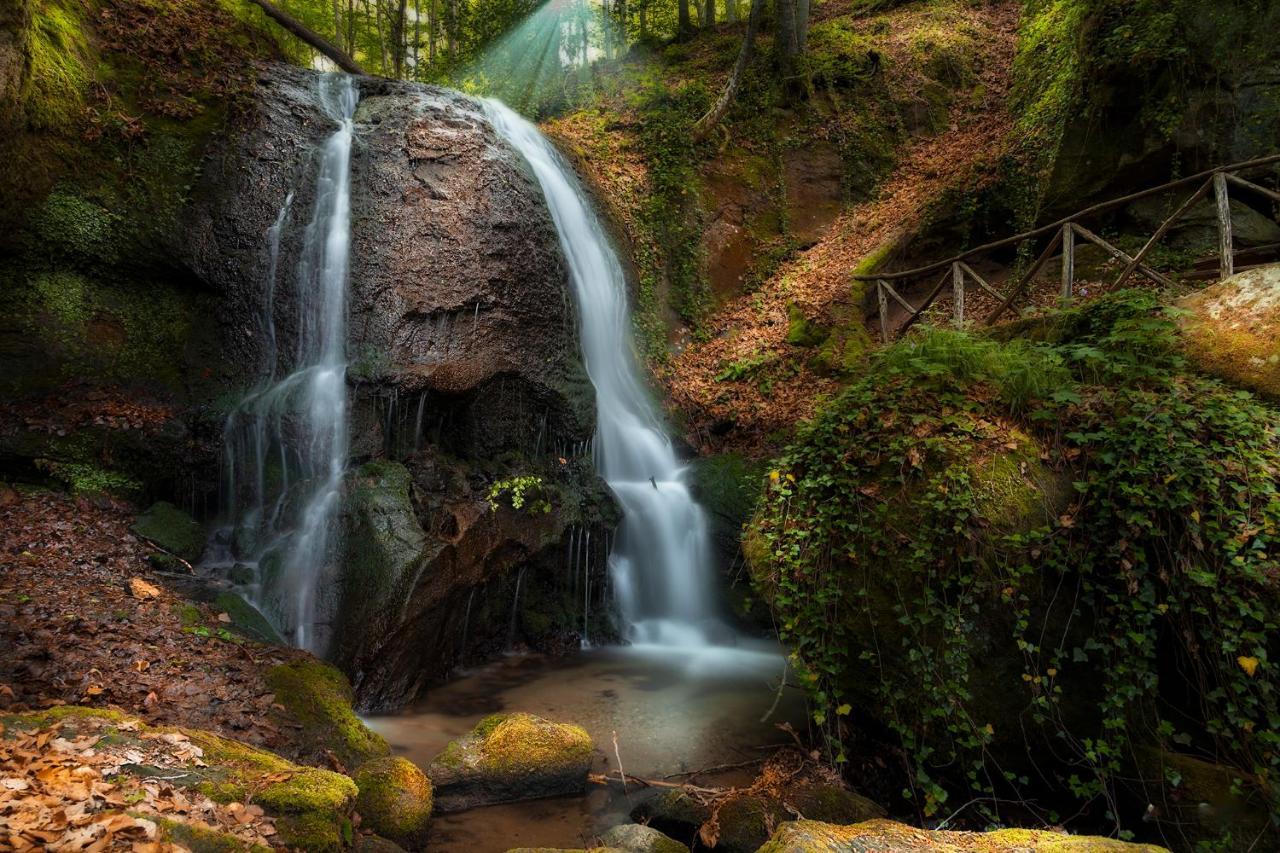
661 560
287 443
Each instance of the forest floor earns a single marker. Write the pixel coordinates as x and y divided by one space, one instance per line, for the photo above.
819 280
84 620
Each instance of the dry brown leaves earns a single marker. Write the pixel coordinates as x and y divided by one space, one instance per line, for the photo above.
74 407
65 790
83 620
819 279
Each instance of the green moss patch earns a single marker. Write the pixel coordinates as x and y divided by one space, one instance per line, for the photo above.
319 697
171 529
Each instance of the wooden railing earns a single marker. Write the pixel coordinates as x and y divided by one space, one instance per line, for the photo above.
1063 234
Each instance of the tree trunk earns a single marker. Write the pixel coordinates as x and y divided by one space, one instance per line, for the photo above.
731 11
451 28
705 124
684 26
802 25
315 40
709 16
398 47
431 33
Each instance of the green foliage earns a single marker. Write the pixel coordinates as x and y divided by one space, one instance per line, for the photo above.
520 490
909 564
86 479
72 226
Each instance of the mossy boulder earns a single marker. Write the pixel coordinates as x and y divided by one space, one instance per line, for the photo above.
319 697
395 800
1232 330
638 838
246 620
200 839
172 529
886 836
746 821
510 757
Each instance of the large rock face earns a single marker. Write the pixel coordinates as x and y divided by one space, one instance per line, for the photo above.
1232 330
464 365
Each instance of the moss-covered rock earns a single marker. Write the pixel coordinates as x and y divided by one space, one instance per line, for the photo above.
886 836
201 839
311 805
395 800
1232 330
319 697
246 620
171 529
745 821
509 757
637 838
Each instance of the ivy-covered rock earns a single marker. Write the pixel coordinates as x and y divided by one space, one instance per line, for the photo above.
395 800
1232 330
318 696
509 757
171 529
637 838
992 549
886 836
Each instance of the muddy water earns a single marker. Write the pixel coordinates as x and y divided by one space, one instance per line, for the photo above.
671 714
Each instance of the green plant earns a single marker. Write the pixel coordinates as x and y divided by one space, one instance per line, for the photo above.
520 490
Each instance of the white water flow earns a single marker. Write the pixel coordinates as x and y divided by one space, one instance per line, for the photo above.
661 559
287 443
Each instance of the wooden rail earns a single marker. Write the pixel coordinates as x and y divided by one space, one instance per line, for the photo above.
1063 236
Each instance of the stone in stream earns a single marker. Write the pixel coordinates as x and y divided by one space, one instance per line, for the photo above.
395 800
510 757
637 838
886 836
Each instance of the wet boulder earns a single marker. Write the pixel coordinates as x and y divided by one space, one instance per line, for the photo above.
1232 330
395 800
886 836
511 757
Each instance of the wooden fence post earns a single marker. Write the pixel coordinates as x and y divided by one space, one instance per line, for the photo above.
884 312
957 293
1226 254
1068 260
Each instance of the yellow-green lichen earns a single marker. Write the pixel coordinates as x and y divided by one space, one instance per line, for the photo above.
319 698
522 742
200 839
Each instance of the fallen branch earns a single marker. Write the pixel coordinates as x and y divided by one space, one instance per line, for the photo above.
716 769
608 779
154 544
310 36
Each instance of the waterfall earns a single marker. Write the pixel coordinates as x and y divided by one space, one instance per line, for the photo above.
286 443
661 560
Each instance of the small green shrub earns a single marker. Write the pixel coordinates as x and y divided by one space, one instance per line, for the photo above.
526 489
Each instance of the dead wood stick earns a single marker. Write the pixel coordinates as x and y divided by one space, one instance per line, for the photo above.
1250 185
154 544
608 779
928 300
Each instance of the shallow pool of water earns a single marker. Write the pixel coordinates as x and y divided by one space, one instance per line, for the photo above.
672 710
